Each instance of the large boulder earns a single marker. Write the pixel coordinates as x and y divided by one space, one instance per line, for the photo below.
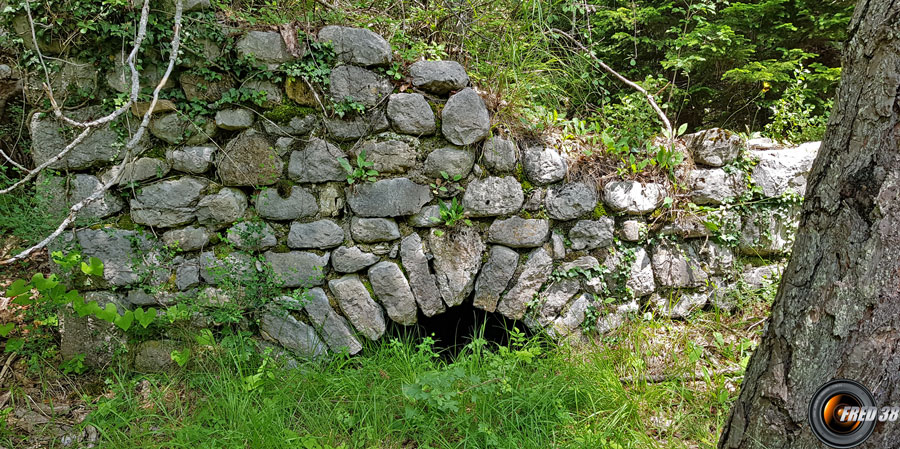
411 114
358 306
175 129
535 273
168 203
388 198
781 171
392 289
494 277
318 234
119 250
768 232
155 356
99 147
319 161
388 156
374 230
714 147
266 47
361 85
351 259
450 160
543 165
592 234
438 77
457 259
517 232
554 298
677 266
331 326
234 119
295 336
422 281
632 197
140 169
640 280
198 88
222 208
493 196
190 238
499 154
249 160
82 186
357 46
252 236
357 126
570 201
465 119
715 185
95 339
298 268
298 204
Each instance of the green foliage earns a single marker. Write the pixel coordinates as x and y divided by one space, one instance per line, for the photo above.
447 185
794 116
348 106
315 65
452 213
363 170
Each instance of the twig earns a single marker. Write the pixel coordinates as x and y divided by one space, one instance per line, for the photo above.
662 115
690 377
9 360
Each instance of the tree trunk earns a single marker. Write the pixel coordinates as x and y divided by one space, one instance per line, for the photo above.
837 312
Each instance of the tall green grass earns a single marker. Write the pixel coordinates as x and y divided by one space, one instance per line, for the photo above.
399 393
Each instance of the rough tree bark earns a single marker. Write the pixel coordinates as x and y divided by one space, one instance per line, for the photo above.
837 312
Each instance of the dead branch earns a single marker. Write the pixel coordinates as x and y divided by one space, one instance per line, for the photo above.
135 87
662 115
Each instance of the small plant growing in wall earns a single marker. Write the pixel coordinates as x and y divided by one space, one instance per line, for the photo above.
447 185
363 170
452 213
348 106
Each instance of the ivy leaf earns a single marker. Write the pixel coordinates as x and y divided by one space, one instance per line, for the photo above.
43 284
205 338
17 288
5 329
14 344
125 320
144 318
180 357
108 313
95 268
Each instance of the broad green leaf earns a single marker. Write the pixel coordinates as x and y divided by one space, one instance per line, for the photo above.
18 287
125 320
205 338
5 329
43 284
180 357
95 267
108 313
14 344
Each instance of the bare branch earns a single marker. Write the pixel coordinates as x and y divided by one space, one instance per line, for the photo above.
662 115
119 170
50 161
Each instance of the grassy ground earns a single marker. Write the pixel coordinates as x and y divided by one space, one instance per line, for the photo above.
653 383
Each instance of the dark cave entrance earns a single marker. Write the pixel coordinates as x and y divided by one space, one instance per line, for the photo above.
458 326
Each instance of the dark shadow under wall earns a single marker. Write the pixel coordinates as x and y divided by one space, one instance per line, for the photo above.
457 326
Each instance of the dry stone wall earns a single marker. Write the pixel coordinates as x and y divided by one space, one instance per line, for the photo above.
566 257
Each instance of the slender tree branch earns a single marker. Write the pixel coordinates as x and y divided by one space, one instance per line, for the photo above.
31 174
662 115
119 170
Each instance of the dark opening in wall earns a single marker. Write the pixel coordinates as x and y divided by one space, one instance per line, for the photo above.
457 326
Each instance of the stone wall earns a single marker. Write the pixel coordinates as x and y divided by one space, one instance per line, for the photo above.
243 188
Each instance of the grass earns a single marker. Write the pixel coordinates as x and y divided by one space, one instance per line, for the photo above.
655 383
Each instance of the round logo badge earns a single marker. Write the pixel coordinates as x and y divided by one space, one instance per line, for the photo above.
840 412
